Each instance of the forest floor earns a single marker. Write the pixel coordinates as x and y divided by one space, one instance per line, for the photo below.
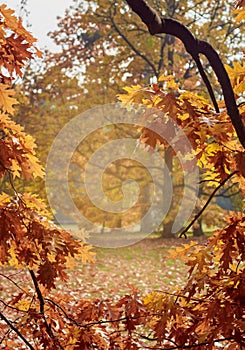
145 266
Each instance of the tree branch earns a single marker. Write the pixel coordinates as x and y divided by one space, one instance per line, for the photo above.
160 63
15 283
16 331
42 303
12 307
38 291
183 233
62 309
136 51
156 25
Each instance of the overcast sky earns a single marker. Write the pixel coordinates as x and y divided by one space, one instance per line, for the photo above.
42 17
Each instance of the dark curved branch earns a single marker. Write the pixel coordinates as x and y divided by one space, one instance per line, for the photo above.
225 83
39 293
41 306
194 346
14 329
160 63
62 309
207 83
196 217
156 25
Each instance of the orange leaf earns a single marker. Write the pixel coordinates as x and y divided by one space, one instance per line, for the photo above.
240 3
6 99
240 161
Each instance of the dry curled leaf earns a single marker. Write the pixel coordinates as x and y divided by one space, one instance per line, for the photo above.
240 161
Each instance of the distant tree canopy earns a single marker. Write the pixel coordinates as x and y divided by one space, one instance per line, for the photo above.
109 41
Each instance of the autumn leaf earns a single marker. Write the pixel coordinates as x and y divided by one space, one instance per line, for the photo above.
240 161
23 305
240 3
31 167
6 99
239 14
182 251
47 274
237 76
17 45
9 18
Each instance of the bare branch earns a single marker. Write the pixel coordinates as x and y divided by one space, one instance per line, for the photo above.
15 283
16 331
183 233
42 303
136 51
62 309
12 307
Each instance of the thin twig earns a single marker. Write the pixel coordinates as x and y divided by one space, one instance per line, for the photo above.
12 307
183 347
16 331
15 283
137 52
64 312
183 233
178 295
207 83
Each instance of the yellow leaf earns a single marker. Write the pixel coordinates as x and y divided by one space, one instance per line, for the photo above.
86 255
51 257
6 99
15 169
13 260
181 252
29 142
136 94
132 89
169 80
4 198
75 335
32 168
183 116
212 148
209 150
171 84
154 300
240 87
164 77
23 305
9 19
237 76
37 204
15 24
239 14
70 263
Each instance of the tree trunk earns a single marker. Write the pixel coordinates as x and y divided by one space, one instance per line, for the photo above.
167 228
197 229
